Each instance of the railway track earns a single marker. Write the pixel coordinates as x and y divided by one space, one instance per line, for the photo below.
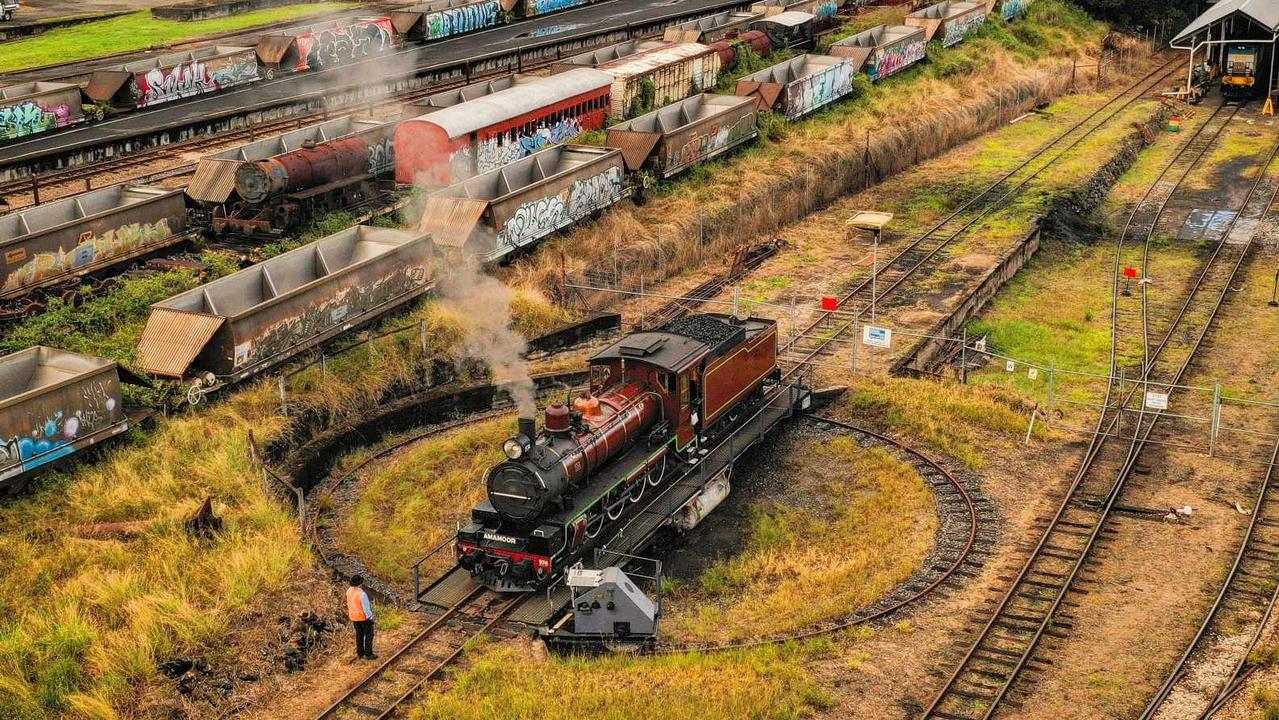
817 339
1032 608
957 504
423 660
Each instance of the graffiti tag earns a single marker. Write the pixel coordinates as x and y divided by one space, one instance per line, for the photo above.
716 139
538 218
30 117
465 19
959 29
161 85
541 7
895 58
1013 9
341 45
55 435
90 249
820 89
505 149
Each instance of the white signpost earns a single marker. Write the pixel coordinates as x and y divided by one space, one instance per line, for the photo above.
1156 401
877 336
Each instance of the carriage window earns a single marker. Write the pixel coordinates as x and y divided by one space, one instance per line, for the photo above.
683 389
599 375
664 379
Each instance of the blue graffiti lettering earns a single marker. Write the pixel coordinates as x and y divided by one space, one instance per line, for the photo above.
465 19
541 7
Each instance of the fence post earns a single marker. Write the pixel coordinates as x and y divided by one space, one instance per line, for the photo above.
284 404
324 366
422 335
855 339
1052 386
1074 67
963 357
737 301
1216 418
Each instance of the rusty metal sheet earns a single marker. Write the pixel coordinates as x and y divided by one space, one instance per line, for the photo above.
273 48
451 220
857 55
214 180
930 25
173 338
635 146
682 36
104 84
405 20
766 92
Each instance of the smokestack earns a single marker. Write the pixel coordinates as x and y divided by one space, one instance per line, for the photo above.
528 427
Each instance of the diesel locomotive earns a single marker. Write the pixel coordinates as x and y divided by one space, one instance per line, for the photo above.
656 400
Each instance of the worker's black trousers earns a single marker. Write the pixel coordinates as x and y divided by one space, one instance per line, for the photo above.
364 638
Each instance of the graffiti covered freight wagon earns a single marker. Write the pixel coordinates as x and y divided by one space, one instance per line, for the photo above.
792 30
325 46
166 78
800 85
651 73
688 132
535 8
883 50
445 18
726 25
53 403
949 22
491 215
36 107
254 319
476 135
273 185
54 242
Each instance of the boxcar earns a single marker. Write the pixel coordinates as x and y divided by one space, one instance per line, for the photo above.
66 238
53 403
800 85
445 18
491 215
171 77
246 322
36 107
681 135
883 50
477 135
789 30
651 73
949 22
325 46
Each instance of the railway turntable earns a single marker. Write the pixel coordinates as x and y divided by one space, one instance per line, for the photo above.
652 443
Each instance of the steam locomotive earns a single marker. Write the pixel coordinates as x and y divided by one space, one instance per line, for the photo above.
656 400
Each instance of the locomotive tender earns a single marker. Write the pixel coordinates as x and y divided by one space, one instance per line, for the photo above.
657 400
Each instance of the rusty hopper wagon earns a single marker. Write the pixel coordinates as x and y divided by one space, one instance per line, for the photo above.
649 74
269 186
36 107
726 25
491 215
883 50
53 403
59 240
681 135
249 321
149 82
325 46
949 21
446 18
800 85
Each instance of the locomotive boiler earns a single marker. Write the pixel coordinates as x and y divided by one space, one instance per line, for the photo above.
656 400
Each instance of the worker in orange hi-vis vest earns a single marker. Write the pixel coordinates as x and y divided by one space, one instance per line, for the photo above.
360 610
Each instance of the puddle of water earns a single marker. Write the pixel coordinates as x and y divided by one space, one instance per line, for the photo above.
549 30
1206 224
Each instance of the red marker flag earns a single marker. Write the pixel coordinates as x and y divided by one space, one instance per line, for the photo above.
830 303
1130 272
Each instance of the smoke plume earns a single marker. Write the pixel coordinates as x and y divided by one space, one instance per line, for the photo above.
485 304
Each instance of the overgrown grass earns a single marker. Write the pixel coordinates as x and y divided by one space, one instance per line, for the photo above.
853 524
411 502
505 682
953 419
138 31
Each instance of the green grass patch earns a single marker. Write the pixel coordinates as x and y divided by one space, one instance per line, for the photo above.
509 682
853 524
138 31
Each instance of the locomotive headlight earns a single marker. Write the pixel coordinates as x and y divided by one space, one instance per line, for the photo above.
516 447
